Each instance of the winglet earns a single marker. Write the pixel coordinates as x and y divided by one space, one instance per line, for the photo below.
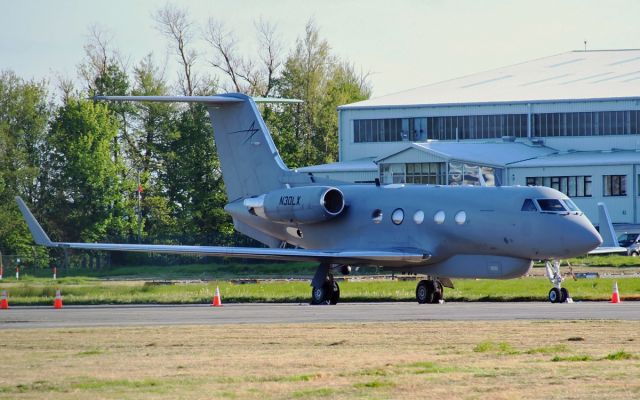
39 236
606 227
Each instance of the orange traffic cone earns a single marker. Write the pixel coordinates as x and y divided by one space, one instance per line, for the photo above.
57 302
615 296
4 302
217 301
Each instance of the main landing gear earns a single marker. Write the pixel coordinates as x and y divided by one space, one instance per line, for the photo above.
557 294
325 289
429 292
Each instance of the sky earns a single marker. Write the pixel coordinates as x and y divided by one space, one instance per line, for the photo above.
401 44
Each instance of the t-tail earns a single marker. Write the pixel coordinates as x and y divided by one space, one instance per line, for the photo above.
250 162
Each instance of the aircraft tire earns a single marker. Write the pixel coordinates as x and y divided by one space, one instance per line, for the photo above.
425 292
564 295
438 293
555 295
319 295
335 294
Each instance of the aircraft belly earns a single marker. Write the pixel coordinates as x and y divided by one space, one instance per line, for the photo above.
478 266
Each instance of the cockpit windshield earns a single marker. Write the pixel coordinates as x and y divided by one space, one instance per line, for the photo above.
551 205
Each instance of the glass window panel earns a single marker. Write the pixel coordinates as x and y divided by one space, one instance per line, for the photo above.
571 191
405 129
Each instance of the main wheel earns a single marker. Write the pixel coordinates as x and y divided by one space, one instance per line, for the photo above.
335 293
438 292
425 292
320 295
555 295
564 295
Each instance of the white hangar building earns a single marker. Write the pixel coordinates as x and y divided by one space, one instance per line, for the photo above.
570 121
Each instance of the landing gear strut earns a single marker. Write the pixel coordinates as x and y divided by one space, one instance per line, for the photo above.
557 294
429 292
325 289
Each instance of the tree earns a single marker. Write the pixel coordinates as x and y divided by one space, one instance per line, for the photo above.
178 27
194 180
308 133
24 113
86 201
154 132
245 73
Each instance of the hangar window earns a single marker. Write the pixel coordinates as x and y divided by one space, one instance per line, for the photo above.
572 186
551 205
528 206
597 123
615 185
397 216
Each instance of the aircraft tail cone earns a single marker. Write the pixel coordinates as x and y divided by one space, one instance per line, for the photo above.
217 301
615 296
4 301
57 302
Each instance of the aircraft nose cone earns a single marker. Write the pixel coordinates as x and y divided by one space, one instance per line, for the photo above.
587 237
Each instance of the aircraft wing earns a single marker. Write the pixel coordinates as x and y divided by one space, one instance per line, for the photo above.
609 250
324 256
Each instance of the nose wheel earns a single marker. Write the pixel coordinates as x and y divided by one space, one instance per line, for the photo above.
557 294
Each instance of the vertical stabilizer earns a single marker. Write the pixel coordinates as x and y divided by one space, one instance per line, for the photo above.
248 157
250 162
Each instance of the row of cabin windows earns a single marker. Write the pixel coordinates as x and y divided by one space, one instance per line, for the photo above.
397 217
598 123
580 186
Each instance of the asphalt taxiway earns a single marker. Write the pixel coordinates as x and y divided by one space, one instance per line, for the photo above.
147 315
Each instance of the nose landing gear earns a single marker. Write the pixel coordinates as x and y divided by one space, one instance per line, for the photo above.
557 294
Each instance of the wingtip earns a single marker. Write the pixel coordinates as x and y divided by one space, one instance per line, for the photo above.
38 234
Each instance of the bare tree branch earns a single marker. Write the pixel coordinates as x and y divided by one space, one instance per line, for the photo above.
176 25
270 54
254 76
224 58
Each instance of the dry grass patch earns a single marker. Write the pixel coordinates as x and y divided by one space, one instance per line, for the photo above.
453 360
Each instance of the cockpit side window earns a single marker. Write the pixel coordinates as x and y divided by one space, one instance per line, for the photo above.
551 205
528 205
571 205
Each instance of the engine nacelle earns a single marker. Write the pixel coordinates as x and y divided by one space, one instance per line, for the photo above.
303 205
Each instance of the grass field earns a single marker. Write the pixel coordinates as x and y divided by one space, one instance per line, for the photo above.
92 291
443 360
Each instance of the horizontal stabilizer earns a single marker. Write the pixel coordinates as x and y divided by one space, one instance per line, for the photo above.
174 99
218 99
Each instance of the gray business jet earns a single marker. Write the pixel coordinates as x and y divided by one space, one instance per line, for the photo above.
443 232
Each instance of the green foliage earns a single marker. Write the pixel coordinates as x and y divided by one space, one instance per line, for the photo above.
307 134
85 196
24 113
